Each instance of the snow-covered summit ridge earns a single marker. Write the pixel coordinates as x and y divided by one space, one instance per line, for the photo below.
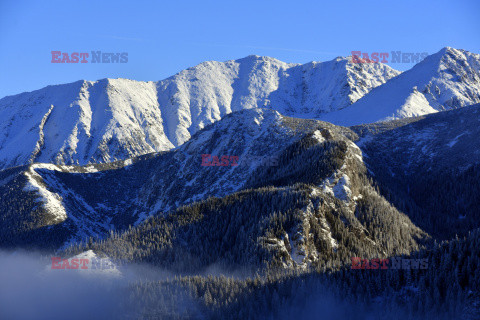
114 119
446 80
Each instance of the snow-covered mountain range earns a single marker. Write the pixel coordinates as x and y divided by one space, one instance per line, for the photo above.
114 119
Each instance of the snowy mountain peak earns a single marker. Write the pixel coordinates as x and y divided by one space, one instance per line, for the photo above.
446 80
257 58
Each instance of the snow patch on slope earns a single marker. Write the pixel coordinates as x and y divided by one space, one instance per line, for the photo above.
52 202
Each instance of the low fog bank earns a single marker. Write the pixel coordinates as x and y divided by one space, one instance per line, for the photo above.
31 289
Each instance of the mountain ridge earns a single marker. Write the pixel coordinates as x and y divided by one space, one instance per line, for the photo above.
445 80
114 119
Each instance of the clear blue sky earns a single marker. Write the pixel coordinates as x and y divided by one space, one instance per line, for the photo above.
164 37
